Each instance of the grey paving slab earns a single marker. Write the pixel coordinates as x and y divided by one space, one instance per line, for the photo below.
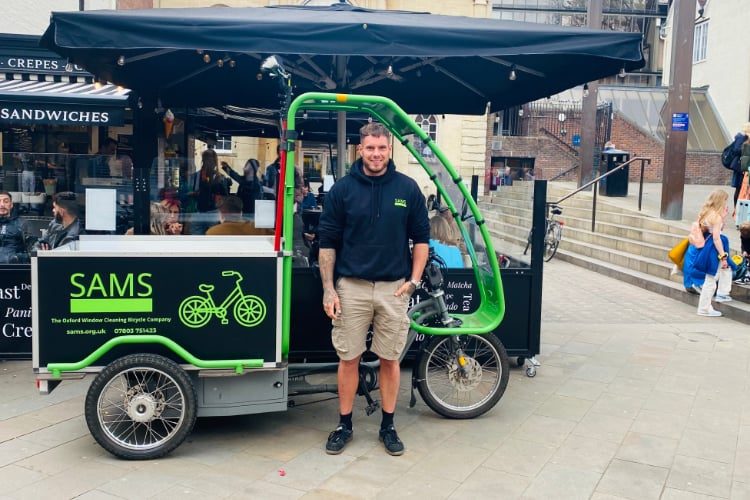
648 405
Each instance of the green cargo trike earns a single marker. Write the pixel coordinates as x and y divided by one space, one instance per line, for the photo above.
176 328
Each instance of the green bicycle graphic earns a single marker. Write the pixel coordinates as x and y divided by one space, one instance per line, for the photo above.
196 311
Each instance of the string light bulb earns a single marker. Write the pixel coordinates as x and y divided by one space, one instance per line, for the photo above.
621 74
304 115
220 63
206 58
389 71
512 76
232 63
121 61
585 90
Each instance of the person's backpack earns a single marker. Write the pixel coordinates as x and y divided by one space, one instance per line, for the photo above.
728 155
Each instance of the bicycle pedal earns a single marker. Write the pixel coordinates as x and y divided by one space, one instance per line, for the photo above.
372 408
224 321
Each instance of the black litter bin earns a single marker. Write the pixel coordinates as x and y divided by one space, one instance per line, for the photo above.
617 183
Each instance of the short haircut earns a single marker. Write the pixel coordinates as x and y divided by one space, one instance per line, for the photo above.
67 201
745 230
231 204
6 193
374 129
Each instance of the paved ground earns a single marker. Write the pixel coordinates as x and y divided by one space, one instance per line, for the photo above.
637 398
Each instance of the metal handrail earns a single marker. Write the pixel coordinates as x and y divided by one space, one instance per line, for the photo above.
595 181
564 173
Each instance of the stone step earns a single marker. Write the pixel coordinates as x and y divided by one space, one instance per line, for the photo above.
617 218
738 309
517 236
574 202
636 234
637 242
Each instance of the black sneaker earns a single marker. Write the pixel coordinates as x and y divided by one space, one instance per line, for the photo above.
393 444
337 440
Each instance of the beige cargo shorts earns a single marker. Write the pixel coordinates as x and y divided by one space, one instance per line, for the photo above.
366 302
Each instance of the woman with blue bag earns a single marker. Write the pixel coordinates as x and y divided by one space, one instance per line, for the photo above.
711 262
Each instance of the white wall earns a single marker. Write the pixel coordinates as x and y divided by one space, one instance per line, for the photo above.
726 70
31 17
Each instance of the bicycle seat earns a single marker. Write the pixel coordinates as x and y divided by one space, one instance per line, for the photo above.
557 211
206 288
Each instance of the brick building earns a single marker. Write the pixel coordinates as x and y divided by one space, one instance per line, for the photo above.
544 135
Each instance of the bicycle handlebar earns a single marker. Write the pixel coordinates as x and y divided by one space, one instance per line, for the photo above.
230 273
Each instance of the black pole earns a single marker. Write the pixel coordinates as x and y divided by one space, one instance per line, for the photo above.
81 5
145 150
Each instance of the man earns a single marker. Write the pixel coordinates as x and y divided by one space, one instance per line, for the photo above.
368 219
100 164
65 227
232 223
12 233
271 175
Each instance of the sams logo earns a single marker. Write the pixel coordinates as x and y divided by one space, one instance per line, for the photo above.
110 293
398 202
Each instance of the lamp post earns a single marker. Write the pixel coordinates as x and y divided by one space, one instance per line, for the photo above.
588 111
678 105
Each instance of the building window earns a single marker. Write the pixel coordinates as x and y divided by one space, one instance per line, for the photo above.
428 123
700 42
224 144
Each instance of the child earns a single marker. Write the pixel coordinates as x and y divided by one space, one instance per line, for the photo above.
745 239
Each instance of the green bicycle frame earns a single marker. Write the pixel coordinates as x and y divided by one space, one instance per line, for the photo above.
492 307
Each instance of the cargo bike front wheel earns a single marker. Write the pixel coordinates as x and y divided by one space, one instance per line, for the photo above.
462 376
141 407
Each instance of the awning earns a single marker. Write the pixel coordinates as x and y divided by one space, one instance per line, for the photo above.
27 102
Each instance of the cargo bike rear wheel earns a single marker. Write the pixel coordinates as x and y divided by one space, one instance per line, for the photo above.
141 407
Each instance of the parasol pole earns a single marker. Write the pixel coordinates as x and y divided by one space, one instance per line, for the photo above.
341 123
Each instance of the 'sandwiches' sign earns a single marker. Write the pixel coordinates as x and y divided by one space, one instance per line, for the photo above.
57 114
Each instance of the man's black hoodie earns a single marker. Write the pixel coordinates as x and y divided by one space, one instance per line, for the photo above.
369 220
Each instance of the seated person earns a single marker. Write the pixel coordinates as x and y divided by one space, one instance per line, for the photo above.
745 238
65 227
13 241
309 201
161 221
171 203
443 243
232 223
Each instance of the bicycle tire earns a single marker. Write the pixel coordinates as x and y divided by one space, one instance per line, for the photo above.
141 407
433 366
551 241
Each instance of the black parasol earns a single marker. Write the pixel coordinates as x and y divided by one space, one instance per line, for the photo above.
427 63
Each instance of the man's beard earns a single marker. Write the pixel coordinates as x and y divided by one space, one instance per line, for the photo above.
58 217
